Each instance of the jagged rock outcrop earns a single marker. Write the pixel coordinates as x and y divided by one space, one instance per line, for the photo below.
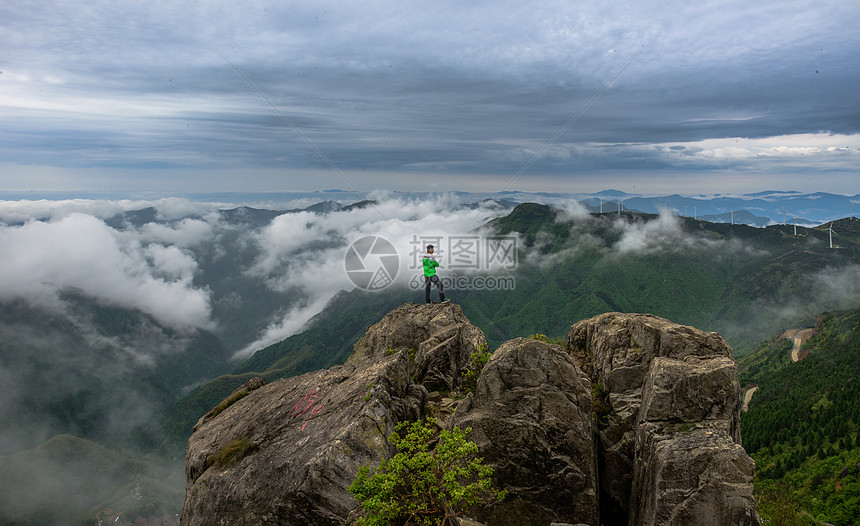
531 419
689 461
308 435
438 336
634 422
669 445
304 439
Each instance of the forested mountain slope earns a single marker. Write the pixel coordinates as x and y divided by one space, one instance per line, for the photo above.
803 423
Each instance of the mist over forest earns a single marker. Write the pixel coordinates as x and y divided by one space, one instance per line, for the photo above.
112 311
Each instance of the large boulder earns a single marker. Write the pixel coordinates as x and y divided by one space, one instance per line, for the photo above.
616 349
531 419
438 337
690 466
304 438
692 390
670 434
691 475
298 445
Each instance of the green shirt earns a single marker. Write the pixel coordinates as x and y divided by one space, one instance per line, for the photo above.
430 265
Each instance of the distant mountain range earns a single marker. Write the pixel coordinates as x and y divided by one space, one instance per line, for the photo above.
776 206
757 209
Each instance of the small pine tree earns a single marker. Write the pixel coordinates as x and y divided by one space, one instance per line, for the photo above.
426 486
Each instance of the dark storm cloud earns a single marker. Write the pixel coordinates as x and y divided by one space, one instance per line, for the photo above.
392 88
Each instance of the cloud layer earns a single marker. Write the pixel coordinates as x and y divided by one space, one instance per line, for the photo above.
304 252
79 251
188 265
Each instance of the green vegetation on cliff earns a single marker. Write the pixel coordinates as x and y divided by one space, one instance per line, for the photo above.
803 424
432 478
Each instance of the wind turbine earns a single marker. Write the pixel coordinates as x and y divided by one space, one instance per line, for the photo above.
733 217
601 204
830 229
794 220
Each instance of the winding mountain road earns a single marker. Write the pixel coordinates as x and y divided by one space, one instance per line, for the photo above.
747 397
795 351
798 338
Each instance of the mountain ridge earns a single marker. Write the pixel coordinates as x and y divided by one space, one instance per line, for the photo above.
737 278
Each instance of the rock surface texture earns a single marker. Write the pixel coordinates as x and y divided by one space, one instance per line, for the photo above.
439 338
307 437
531 419
634 422
669 441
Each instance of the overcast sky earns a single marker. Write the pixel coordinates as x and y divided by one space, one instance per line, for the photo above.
726 96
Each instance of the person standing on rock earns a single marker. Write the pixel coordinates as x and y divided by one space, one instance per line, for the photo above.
430 276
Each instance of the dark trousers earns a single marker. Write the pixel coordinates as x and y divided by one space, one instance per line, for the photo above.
428 280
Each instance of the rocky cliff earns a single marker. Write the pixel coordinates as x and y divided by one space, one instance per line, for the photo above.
634 421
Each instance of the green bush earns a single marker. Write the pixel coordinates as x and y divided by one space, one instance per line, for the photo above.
423 485
470 375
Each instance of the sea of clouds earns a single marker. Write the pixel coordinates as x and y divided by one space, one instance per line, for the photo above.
190 266
160 267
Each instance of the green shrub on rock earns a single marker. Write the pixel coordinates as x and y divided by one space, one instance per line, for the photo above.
422 484
470 375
